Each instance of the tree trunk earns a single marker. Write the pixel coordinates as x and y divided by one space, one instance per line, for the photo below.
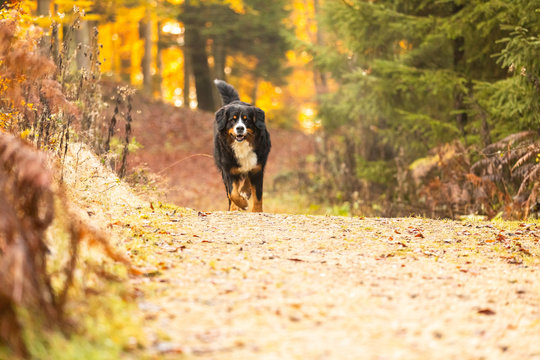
43 9
219 58
69 44
318 76
159 61
187 76
196 44
485 132
82 39
459 54
218 51
145 30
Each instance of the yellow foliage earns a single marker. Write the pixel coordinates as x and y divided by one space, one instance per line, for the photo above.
173 75
68 5
123 50
307 118
24 134
405 46
236 5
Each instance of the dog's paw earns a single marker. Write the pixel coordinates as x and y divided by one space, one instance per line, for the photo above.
241 202
245 191
245 195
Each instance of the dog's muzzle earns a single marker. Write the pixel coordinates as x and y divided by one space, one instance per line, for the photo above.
239 133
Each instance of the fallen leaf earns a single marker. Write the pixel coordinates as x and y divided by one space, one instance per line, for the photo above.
521 249
168 348
486 311
514 260
384 256
182 247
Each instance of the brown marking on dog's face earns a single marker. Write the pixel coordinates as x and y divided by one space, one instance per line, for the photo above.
244 116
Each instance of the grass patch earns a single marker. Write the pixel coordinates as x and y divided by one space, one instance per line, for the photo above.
103 320
106 328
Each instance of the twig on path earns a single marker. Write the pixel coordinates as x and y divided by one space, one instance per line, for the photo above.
179 161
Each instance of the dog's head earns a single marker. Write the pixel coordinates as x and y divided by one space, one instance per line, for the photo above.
240 122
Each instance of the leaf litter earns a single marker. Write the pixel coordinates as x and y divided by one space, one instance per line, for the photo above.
230 285
252 286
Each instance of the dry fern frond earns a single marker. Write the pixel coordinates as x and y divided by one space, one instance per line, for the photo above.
532 151
26 203
510 164
532 176
27 210
521 172
508 142
485 165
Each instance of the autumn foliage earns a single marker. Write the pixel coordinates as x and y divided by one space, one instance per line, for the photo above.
34 106
29 92
27 208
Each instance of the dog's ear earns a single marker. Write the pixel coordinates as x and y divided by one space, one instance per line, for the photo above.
221 119
259 119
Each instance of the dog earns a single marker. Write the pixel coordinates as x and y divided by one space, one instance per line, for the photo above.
241 148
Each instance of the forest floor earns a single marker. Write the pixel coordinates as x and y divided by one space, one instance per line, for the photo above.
231 285
270 286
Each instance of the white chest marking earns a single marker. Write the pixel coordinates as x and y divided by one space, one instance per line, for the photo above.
246 157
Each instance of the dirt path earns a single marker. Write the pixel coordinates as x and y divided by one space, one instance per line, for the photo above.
265 286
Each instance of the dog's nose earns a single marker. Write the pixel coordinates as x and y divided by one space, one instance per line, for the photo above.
240 129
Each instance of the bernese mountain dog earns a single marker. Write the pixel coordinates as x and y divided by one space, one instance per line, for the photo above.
241 148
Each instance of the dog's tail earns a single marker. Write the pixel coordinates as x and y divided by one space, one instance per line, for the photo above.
227 92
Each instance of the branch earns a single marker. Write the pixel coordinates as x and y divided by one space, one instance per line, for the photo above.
349 5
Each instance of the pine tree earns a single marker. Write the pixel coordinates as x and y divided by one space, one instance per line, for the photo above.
415 74
256 34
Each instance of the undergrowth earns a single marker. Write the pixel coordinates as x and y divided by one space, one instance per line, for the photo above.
499 181
62 291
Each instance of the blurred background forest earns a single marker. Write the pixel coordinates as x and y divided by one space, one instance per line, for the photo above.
390 107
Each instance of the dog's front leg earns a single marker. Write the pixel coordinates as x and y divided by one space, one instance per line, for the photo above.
232 205
256 181
236 197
